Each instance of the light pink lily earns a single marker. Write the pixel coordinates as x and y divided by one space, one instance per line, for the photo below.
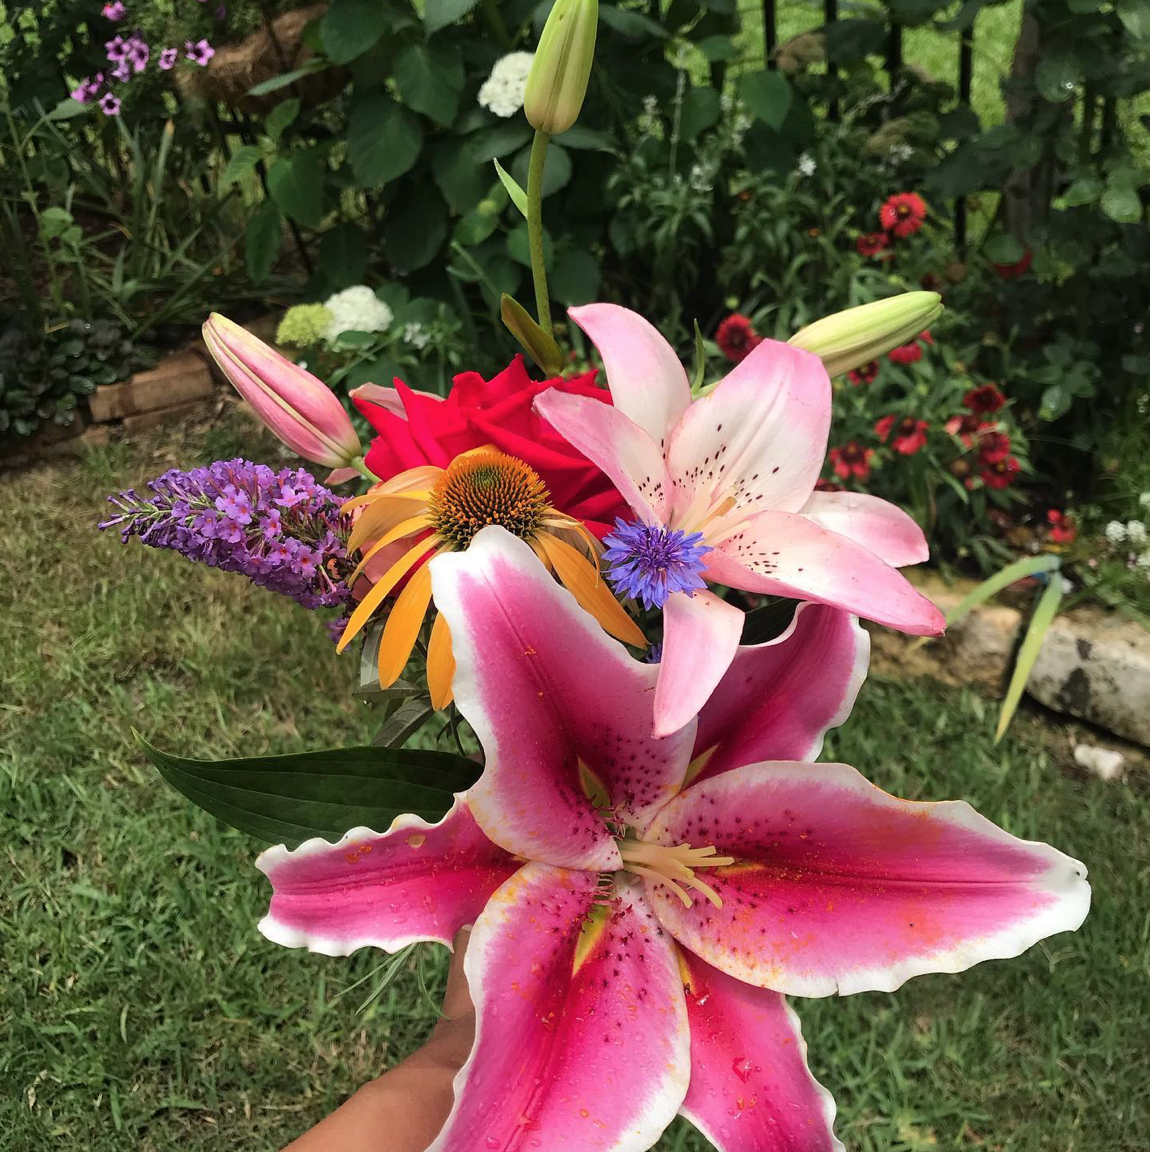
738 466
640 904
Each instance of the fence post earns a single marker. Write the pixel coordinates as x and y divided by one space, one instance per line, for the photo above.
965 76
770 34
830 15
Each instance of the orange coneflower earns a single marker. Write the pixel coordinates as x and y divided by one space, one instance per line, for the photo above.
440 510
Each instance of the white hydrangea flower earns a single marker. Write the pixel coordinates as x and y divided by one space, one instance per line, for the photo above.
356 309
1144 560
1136 533
1144 499
502 92
806 165
1115 532
415 335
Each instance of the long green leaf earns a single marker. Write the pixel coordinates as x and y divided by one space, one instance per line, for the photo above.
292 798
518 196
1044 613
1019 570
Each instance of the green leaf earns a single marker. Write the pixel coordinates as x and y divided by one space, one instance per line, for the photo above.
350 27
518 196
281 117
241 164
718 48
700 111
491 143
1002 248
458 176
1044 613
1086 190
578 137
295 182
556 172
1122 205
430 79
1058 75
383 139
1019 570
262 241
315 64
519 246
574 277
850 40
768 622
768 95
343 253
700 360
439 13
534 341
632 25
414 230
287 799
67 109
1135 17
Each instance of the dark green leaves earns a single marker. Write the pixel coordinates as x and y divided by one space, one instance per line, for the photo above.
414 229
574 277
262 241
768 95
383 139
295 182
350 27
768 622
430 79
291 798
439 13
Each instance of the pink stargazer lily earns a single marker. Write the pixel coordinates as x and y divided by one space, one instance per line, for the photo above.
738 467
642 904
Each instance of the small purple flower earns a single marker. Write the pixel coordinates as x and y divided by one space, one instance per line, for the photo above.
88 90
117 48
136 53
122 71
168 58
305 562
648 562
199 53
289 497
113 11
110 104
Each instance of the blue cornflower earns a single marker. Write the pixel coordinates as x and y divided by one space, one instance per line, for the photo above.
648 562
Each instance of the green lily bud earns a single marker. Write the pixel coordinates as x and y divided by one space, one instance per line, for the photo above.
856 336
557 82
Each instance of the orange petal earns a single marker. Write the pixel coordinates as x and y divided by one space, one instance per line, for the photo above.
381 514
403 528
440 663
379 590
402 627
423 476
592 593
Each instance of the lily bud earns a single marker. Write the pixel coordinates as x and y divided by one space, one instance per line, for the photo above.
858 335
557 82
301 410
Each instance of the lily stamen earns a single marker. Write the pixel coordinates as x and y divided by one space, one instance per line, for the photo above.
673 866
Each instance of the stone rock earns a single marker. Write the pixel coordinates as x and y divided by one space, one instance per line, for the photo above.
1096 667
1106 763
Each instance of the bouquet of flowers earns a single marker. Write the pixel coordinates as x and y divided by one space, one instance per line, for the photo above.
637 605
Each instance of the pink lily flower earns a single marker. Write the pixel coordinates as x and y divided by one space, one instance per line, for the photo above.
641 905
732 475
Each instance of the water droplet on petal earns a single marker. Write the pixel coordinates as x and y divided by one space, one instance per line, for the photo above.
742 1067
491 1142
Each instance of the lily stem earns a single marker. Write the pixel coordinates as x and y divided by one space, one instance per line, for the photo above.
535 227
360 465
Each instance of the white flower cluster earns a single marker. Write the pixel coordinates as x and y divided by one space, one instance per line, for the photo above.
1133 534
356 309
502 92
416 335
806 165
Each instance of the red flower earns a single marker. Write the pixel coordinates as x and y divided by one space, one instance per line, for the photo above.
993 445
1019 268
1062 530
903 214
864 375
985 398
499 411
964 426
1000 474
822 485
905 353
852 459
871 243
736 337
909 434
926 337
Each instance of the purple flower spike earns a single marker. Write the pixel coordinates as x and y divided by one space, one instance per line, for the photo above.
232 515
648 562
114 11
168 58
199 53
110 104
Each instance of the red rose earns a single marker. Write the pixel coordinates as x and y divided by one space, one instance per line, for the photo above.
736 336
903 214
416 428
909 434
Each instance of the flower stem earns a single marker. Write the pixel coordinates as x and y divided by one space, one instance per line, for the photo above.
361 467
535 227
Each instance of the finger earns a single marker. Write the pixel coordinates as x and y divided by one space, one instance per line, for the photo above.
457 998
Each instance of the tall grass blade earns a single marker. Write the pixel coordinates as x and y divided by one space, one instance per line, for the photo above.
1040 622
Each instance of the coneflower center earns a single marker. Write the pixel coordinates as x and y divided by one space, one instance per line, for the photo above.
674 866
484 488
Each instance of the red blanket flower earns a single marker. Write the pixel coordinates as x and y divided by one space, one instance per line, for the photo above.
416 428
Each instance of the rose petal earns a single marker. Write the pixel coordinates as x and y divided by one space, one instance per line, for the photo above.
839 887
581 1037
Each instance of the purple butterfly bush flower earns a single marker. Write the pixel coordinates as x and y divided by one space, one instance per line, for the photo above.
168 58
280 529
114 11
110 104
88 90
199 53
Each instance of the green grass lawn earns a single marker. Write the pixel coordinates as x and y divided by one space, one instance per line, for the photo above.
141 1010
